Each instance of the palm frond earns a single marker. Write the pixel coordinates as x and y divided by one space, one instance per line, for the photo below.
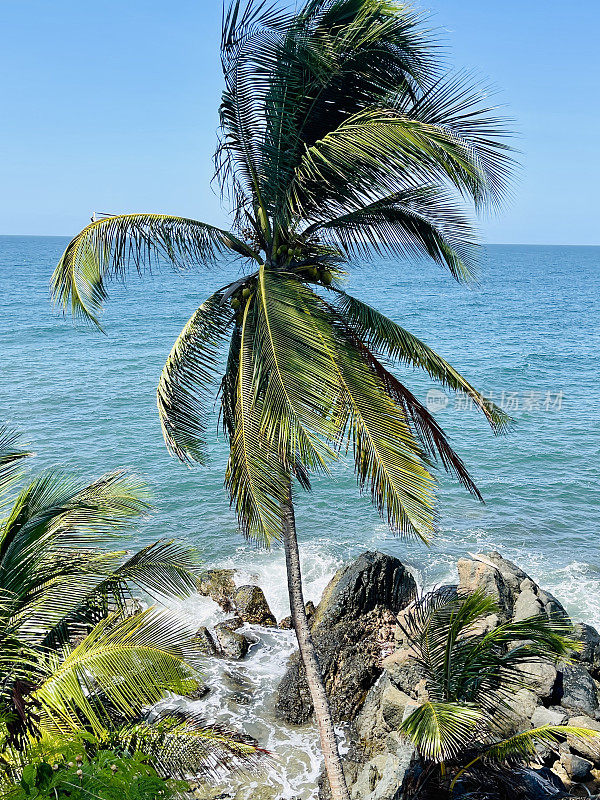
186 744
166 568
189 375
11 455
417 221
48 545
378 152
296 385
255 478
132 662
440 731
383 335
110 247
522 746
386 455
424 426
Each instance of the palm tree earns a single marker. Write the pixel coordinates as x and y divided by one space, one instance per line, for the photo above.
342 140
74 655
471 676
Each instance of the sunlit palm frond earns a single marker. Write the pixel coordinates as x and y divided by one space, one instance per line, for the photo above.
166 568
383 335
255 478
457 105
387 457
440 731
186 744
189 375
522 746
132 661
111 246
295 382
423 424
377 152
48 545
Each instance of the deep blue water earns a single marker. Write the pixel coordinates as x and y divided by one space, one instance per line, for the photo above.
530 330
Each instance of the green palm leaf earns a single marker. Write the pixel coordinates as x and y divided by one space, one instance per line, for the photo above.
11 455
523 745
188 376
440 731
417 221
255 478
186 744
132 662
109 247
387 457
381 334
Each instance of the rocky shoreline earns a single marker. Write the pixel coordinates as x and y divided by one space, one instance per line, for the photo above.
374 683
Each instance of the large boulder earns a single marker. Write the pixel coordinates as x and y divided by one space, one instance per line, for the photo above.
230 643
357 611
218 584
251 606
577 690
516 594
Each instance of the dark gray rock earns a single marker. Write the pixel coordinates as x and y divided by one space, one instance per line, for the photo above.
357 609
251 605
589 654
231 644
204 642
577 690
576 767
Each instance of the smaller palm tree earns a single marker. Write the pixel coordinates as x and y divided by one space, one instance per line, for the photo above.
471 677
75 657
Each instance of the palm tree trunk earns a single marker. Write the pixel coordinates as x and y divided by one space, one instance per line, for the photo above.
329 746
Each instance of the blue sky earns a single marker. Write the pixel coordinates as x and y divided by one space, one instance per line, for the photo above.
112 106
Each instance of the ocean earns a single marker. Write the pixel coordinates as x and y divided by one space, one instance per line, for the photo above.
528 334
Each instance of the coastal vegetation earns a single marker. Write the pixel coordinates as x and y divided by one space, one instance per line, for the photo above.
80 659
472 672
342 139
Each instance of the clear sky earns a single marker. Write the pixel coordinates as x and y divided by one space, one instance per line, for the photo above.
112 106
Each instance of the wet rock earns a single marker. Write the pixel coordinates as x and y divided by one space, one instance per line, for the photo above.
218 584
359 603
204 642
199 692
589 654
251 605
577 690
309 610
231 644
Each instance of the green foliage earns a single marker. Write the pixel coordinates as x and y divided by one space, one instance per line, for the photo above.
472 674
76 654
107 774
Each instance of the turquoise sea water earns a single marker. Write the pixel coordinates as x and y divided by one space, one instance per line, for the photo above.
529 335
530 331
